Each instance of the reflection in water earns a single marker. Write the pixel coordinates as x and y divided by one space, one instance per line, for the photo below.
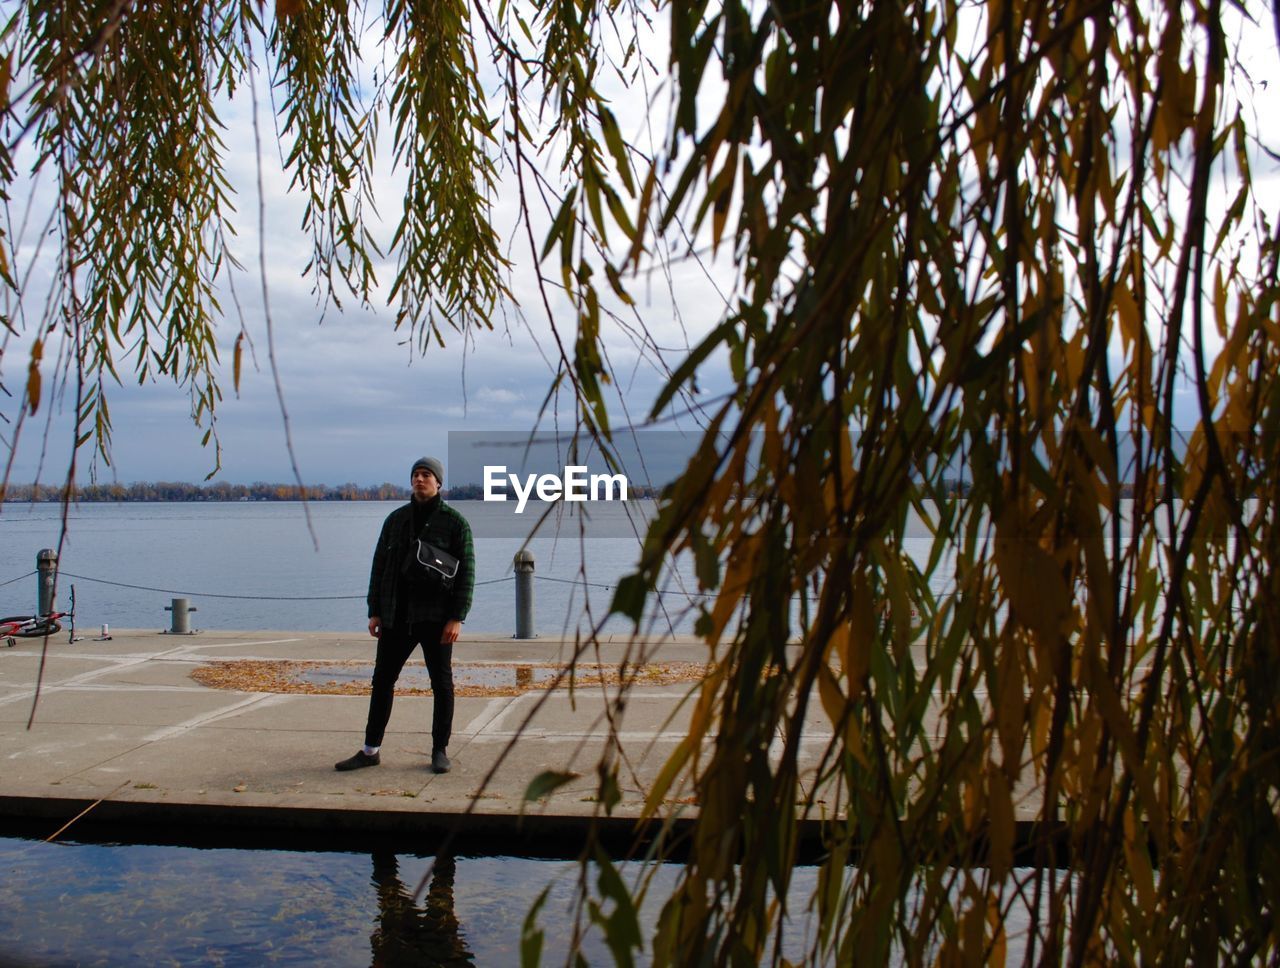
407 934
127 904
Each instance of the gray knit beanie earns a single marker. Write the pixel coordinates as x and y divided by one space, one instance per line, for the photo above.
431 464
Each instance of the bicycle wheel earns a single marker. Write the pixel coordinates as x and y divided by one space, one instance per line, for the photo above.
15 620
39 630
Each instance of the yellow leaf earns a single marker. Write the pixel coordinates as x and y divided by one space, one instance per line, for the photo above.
1128 315
1031 380
1138 855
236 361
833 700
862 626
1011 707
998 954
1000 810
839 644
737 577
675 762
1220 301
33 375
1038 594
1041 721
719 215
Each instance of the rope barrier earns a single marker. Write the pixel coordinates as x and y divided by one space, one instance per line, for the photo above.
329 598
256 598
686 595
593 584
572 581
344 598
338 598
253 598
18 579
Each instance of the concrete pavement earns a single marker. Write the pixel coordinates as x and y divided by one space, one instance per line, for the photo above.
124 729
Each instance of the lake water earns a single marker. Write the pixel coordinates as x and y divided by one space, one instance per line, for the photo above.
95 904
140 904
254 566
262 553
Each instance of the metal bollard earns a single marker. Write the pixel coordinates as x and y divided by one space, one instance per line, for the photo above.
524 595
181 622
47 569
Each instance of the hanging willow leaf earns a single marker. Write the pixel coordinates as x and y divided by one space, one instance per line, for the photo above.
988 495
33 376
237 360
546 783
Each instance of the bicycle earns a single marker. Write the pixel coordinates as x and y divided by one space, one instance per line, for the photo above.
30 626
38 626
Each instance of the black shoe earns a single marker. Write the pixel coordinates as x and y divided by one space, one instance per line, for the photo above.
439 762
359 761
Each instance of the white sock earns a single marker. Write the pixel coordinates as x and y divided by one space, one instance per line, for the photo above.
371 750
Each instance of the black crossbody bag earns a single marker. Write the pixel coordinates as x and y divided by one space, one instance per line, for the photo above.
437 559
434 558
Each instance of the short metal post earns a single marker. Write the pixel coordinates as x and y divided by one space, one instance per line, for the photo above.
47 569
524 594
181 620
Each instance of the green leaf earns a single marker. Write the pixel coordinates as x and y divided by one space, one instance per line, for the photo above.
531 936
564 219
685 371
546 783
617 148
706 562
629 597
610 792
622 925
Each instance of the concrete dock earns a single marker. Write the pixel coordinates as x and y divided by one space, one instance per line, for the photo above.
131 730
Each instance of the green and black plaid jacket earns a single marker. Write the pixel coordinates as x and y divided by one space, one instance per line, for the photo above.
448 530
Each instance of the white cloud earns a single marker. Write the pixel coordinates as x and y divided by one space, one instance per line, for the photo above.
497 395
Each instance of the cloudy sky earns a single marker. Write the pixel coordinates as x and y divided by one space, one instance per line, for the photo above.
361 403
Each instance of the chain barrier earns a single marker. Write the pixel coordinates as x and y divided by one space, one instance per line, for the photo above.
18 579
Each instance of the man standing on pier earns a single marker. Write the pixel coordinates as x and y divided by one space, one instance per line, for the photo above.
412 604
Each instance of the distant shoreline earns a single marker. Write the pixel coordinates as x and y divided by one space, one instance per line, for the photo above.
165 492
155 492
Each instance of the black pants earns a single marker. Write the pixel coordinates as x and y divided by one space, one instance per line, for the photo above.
395 645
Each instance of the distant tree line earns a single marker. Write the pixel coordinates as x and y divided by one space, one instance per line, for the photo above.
258 491
262 491
219 491
475 492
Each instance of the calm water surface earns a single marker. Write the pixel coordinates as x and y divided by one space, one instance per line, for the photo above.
88 904
263 554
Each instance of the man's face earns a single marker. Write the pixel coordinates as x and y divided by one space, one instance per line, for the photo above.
424 484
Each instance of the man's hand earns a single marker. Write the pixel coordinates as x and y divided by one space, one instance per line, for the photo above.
452 629
375 625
